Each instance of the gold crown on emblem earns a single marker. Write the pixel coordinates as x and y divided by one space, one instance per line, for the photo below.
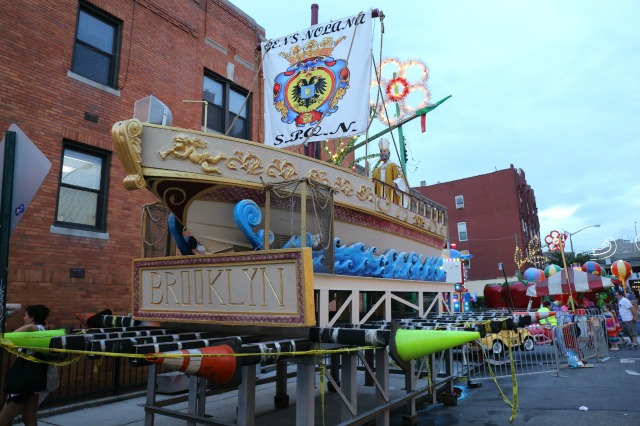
312 49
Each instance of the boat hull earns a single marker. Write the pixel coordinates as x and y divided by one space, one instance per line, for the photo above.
201 176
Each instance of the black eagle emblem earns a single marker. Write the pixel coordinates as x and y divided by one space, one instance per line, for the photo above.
307 92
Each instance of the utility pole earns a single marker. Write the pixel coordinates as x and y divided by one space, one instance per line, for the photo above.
6 199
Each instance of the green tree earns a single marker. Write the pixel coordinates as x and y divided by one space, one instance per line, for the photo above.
555 257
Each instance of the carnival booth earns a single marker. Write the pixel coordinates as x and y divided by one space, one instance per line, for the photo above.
578 282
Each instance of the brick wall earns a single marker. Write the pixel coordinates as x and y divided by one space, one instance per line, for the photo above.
495 205
166 46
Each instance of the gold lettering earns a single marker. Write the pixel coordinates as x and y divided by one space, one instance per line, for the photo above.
185 278
156 285
265 280
418 221
198 282
250 277
212 289
229 289
170 281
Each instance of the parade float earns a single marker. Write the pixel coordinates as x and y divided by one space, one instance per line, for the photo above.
274 225
298 259
293 251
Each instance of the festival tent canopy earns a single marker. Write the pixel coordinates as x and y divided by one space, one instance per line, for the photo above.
580 282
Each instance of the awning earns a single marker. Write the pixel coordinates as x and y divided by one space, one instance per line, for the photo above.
580 283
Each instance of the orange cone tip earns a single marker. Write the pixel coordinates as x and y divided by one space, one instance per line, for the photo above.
536 316
219 369
83 317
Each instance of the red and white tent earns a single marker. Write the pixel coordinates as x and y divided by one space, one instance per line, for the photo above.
580 282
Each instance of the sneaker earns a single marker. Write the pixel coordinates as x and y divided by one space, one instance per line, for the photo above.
634 346
614 349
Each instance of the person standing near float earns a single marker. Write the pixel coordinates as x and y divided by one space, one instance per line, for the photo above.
628 318
389 173
613 327
26 403
552 321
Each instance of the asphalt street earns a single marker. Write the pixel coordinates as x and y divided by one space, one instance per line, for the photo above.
606 393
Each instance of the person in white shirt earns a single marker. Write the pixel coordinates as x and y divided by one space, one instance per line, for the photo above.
627 317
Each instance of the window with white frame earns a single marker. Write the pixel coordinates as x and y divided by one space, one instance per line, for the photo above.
97 45
459 202
462 231
82 191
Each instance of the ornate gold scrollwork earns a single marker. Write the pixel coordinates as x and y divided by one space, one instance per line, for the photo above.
320 177
283 168
250 163
343 185
365 193
406 214
186 148
418 220
384 204
126 140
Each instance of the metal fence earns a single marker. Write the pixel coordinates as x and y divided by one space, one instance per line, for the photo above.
583 338
89 379
537 348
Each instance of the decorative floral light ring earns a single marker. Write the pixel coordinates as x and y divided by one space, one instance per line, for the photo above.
555 240
397 82
408 86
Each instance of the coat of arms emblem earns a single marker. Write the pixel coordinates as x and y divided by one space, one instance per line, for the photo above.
312 85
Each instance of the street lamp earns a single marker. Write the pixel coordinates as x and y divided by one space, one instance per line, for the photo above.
571 234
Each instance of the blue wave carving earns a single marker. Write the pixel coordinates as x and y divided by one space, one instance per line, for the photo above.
354 259
246 214
185 245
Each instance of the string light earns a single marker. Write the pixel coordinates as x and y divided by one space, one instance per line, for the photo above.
534 254
344 148
396 89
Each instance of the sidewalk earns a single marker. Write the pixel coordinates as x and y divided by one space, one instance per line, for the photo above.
608 391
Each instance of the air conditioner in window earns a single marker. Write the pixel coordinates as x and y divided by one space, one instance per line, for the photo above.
152 110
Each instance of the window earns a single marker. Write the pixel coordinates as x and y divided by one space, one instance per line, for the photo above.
462 231
97 46
83 186
226 102
459 202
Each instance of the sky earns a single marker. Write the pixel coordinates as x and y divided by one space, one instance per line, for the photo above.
550 86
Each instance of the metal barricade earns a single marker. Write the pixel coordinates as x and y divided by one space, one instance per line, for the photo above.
538 348
526 350
578 338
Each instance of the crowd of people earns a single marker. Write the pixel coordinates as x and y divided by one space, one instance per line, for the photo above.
621 315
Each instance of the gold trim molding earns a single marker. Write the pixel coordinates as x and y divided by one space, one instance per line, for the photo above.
126 140
250 163
283 168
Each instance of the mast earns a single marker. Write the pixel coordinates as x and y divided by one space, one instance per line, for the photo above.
312 149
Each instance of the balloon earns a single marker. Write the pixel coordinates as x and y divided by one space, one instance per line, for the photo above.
551 269
592 267
534 274
493 296
516 292
621 269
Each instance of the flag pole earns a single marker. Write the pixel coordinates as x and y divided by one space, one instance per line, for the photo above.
566 272
419 113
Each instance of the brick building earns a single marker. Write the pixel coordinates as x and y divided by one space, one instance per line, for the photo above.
69 70
489 215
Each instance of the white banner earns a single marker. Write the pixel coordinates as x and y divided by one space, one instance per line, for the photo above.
316 82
